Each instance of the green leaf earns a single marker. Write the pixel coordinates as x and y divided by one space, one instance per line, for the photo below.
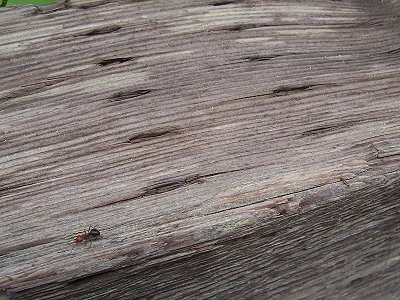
25 2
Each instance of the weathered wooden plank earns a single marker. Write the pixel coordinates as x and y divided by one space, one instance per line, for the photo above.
191 133
283 259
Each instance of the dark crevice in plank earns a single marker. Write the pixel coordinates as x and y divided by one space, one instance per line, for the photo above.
124 95
152 134
276 206
250 97
319 130
394 51
261 57
242 27
221 3
111 61
282 91
246 26
286 90
4 190
26 90
384 155
388 155
171 184
167 186
11 187
158 188
102 30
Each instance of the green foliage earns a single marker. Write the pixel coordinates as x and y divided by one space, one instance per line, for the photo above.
34 2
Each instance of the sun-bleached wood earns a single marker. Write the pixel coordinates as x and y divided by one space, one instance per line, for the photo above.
224 149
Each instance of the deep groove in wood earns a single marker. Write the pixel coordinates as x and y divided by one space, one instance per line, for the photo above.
319 130
394 51
129 94
261 57
102 30
152 134
116 60
285 90
221 3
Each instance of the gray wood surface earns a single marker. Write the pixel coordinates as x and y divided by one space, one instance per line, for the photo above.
225 149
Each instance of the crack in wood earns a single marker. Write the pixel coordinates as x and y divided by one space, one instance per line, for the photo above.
261 57
116 60
394 51
158 188
172 184
285 90
124 95
384 155
331 127
245 26
6 189
167 186
152 134
272 206
319 130
102 30
27 90
221 3
388 155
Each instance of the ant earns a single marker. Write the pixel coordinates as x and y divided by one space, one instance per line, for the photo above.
342 179
88 235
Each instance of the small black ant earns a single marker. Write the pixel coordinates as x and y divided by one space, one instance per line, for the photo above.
88 235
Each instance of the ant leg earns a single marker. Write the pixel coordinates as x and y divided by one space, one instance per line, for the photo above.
90 241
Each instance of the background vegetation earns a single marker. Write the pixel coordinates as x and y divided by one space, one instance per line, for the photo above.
24 2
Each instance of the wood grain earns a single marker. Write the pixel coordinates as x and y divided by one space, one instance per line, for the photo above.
209 141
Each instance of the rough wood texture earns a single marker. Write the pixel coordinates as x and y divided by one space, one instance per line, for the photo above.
223 148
